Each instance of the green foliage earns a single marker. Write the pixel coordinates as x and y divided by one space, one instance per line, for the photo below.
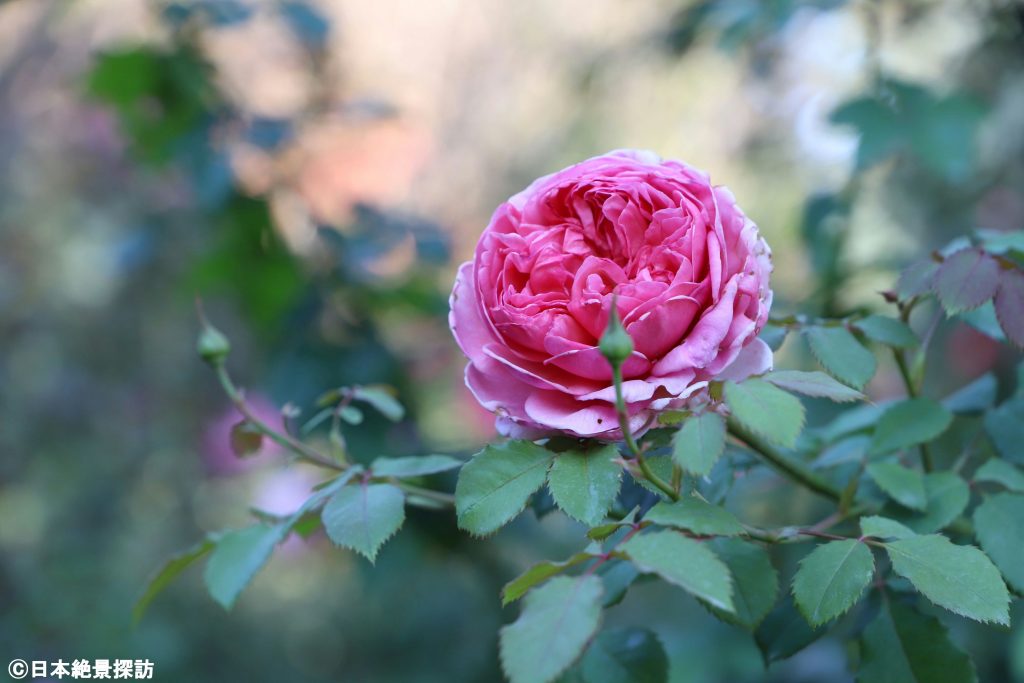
699 443
236 559
363 516
585 483
904 485
1001 472
556 623
413 466
999 525
497 483
966 280
816 384
883 527
684 562
947 496
695 515
755 581
765 409
171 569
908 423
382 399
784 632
841 355
1005 427
538 573
629 655
1009 305
888 331
831 579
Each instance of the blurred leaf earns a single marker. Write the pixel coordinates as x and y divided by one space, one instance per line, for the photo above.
246 439
414 466
999 526
784 632
617 576
976 397
171 569
556 622
584 484
1009 305
362 517
755 581
351 415
699 443
984 320
381 398
497 483
883 527
1001 472
628 655
902 645
765 409
966 280
904 485
538 573
236 559
841 355
773 336
888 331
693 514
683 562
908 423
917 278
831 579
948 495
816 384
1005 426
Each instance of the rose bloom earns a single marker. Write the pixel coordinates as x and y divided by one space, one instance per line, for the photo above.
689 269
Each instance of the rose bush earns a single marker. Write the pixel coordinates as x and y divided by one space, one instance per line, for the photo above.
688 270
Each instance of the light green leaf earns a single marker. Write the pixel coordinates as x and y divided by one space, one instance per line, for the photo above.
902 645
816 384
173 567
883 527
841 355
947 494
362 517
538 573
999 526
239 555
765 409
699 443
904 485
693 514
960 578
684 562
556 623
381 398
414 466
497 483
888 331
755 581
998 471
831 579
585 483
628 655
908 423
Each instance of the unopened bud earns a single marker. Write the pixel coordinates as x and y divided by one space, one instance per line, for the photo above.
212 345
616 345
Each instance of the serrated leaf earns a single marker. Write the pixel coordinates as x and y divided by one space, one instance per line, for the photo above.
236 559
841 355
556 623
497 483
628 655
888 331
693 514
1009 305
902 645
683 562
960 578
538 573
1000 472
755 581
381 398
831 579
908 423
661 466
584 484
999 526
966 280
414 466
363 516
784 632
947 495
698 444
170 570
816 384
883 527
1005 427
617 576
765 409
902 484
916 279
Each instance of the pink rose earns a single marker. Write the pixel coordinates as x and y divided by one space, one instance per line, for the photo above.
690 270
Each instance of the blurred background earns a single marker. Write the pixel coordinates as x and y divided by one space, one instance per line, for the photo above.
316 170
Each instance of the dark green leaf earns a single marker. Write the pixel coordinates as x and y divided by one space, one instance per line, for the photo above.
999 526
584 484
1005 426
908 423
414 466
765 409
239 555
976 397
904 485
617 576
699 443
538 573
684 562
841 355
629 655
1001 472
831 579
363 516
966 280
693 514
755 581
784 632
173 567
888 331
816 384
947 494
497 483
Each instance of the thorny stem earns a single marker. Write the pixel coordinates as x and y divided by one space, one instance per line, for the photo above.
627 436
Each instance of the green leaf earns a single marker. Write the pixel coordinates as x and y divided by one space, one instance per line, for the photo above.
239 555
784 632
351 415
617 576
693 514
883 527
902 645
382 399
557 621
683 562
1005 426
999 526
497 483
414 466
755 581
584 484
699 443
538 573
966 280
171 569
947 494
1001 472
816 384
960 578
908 423
362 517
888 331
916 279
831 579
765 409
628 655
976 397
902 484
841 355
